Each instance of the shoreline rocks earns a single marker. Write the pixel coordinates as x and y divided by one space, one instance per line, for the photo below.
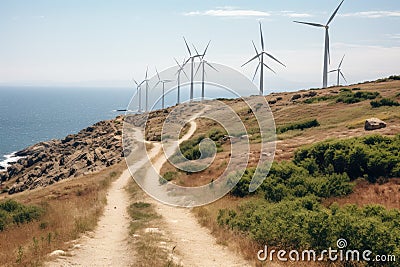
91 150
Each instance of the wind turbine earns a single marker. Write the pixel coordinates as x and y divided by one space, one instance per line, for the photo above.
163 86
326 49
261 62
138 90
191 60
181 69
339 72
202 64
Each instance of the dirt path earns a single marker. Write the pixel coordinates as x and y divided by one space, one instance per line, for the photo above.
195 245
107 245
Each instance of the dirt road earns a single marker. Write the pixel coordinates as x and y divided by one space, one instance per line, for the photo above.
107 246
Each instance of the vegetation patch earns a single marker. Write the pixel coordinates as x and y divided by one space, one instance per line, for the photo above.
303 223
370 157
384 102
286 210
346 96
298 126
351 98
13 212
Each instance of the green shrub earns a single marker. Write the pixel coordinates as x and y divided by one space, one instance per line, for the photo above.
348 97
319 99
12 212
371 156
384 102
298 126
303 223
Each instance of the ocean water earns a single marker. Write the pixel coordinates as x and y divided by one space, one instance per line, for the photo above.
32 114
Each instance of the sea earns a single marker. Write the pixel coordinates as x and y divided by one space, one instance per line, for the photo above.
29 115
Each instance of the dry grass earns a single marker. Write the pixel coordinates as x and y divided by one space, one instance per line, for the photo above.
152 247
71 207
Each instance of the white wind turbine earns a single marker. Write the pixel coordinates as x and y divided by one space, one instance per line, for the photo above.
261 62
202 64
139 90
326 49
180 70
191 60
339 72
163 87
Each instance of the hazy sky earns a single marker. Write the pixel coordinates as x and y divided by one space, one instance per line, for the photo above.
105 43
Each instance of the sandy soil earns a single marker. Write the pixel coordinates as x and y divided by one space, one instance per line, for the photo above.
107 245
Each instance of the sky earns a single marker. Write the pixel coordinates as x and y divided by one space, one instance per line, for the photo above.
106 43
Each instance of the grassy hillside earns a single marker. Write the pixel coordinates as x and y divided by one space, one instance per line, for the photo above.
302 193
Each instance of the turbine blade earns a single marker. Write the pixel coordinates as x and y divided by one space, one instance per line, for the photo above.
256 56
185 74
310 23
334 13
341 62
158 75
332 71
269 68
211 66
187 46
262 38
147 69
197 52
197 70
177 63
205 50
255 48
135 81
156 84
271 56
255 73
342 76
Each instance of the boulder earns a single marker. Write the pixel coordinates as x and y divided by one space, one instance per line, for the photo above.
374 124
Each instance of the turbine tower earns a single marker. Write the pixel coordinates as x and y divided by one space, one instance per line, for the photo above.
339 72
326 49
163 87
180 69
191 60
202 64
261 62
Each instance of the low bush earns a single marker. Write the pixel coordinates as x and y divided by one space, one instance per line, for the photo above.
371 156
384 102
350 98
13 212
303 223
298 126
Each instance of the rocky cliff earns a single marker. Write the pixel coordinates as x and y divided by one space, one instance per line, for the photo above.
90 150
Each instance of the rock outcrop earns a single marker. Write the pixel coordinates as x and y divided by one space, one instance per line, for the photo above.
374 124
90 150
